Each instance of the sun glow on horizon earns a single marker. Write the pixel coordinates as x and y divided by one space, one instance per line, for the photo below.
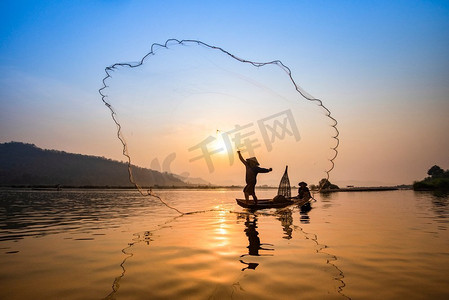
219 144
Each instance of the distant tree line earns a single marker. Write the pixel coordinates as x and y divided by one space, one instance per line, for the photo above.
27 165
438 179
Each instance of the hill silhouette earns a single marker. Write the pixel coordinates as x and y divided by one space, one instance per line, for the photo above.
27 165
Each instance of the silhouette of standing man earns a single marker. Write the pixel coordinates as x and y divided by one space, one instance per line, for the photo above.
252 169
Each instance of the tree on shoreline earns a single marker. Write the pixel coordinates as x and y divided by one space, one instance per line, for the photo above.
325 184
435 172
438 180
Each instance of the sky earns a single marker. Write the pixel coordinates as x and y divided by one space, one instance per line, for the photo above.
380 67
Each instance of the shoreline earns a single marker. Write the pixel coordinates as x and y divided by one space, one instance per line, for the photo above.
199 187
367 189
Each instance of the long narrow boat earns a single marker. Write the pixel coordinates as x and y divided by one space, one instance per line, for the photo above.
269 203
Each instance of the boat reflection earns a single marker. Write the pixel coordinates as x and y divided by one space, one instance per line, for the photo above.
255 246
304 214
285 216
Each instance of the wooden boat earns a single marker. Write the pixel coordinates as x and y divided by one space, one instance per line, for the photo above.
283 199
269 203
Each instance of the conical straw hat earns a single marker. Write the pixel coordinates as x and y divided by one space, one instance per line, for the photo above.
253 160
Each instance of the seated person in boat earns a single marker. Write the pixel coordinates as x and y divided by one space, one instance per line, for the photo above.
252 169
303 190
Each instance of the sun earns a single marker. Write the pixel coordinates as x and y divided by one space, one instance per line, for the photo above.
219 144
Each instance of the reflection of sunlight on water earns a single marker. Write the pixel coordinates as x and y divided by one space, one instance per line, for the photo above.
97 239
194 255
221 231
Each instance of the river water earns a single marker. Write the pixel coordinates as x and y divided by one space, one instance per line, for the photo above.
119 245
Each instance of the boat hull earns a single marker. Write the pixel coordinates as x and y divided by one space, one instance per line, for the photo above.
269 203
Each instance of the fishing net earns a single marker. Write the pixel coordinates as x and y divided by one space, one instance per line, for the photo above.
284 186
186 107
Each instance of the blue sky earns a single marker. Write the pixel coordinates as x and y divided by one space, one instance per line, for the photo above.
380 66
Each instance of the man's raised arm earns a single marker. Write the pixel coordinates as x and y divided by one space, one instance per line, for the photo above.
241 158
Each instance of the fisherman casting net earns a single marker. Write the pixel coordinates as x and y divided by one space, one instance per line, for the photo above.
186 107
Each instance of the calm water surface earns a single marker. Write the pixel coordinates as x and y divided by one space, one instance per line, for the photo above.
120 245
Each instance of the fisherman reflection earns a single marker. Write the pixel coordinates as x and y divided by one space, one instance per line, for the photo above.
304 215
251 266
254 242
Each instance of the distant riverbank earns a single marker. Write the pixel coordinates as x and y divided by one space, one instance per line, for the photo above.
368 189
198 187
